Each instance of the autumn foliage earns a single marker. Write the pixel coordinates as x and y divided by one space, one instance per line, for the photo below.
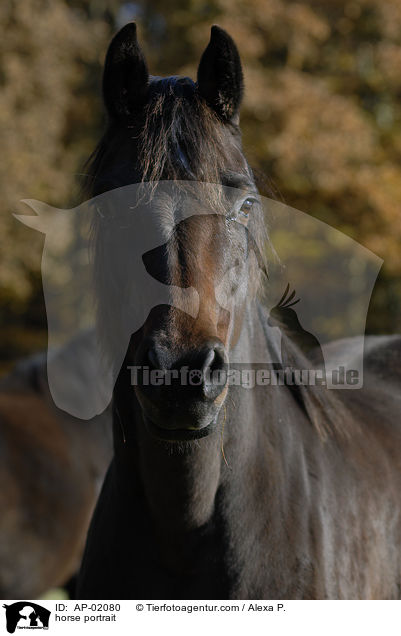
321 118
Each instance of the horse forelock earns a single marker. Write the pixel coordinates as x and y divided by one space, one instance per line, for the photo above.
183 139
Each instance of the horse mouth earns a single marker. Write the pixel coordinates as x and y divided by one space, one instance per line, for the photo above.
178 434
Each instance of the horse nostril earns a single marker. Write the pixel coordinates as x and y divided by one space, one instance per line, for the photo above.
214 371
210 359
200 373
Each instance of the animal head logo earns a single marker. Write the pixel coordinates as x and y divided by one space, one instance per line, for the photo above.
134 230
25 615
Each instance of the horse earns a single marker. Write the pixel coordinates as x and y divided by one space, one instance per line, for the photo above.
214 491
52 467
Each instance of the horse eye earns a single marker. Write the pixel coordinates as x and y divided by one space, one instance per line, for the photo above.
246 206
242 213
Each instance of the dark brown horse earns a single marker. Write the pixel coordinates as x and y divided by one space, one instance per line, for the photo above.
215 491
51 469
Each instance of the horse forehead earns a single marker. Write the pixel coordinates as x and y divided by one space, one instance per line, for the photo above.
173 212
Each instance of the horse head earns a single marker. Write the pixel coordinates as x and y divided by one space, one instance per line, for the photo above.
177 139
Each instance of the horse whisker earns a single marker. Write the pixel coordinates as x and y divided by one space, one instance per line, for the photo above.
222 438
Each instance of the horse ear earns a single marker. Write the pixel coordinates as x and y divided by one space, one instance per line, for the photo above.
126 76
220 79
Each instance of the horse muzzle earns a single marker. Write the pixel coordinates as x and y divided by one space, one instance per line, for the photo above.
181 396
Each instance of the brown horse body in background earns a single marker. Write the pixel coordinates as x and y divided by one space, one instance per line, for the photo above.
51 469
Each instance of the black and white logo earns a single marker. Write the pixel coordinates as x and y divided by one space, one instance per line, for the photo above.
26 615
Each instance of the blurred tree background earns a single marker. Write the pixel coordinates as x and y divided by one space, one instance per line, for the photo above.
321 119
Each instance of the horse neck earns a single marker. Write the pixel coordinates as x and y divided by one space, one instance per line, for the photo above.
177 483
180 484
268 427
